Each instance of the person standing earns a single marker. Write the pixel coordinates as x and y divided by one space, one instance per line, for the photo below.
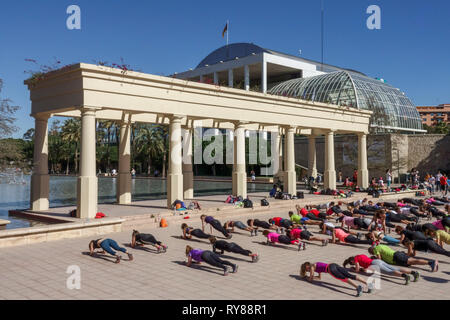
432 182
355 177
340 176
443 181
253 175
388 178
438 179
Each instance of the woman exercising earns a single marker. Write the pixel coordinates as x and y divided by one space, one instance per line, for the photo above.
400 258
141 239
281 223
440 235
273 237
424 245
336 272
230 225
214 223
339 235
222 245
255 223
108 245
188 232
377 236
408 234
361 263
211 258
354 223
299 234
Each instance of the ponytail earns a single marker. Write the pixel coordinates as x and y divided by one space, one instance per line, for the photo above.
303 269
350 260
188 250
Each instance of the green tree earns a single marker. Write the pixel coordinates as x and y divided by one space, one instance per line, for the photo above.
7 118
150 143
71 135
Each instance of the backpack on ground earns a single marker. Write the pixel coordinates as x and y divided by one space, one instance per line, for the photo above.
264 203
248 203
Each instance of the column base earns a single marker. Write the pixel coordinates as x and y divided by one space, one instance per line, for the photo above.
363 178
124 188
240 184
40 185
174 188
330 179
87 197
188 185
290 182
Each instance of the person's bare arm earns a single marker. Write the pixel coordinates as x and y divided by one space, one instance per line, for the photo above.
189 262
333 239
133 241
91 249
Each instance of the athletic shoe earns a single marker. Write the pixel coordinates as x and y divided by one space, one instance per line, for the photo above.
407 278
358 235
255 258
235 268
370 287
165 248
416 276
303 246
359 291
229 236
225 271
433 265
117 259
130 256
299 246
325 242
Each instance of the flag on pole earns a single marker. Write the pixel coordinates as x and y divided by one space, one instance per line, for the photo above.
225 30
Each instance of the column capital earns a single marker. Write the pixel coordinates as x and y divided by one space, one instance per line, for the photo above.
365 133
176 118
126 118
87 111
290 128
40 116
240 124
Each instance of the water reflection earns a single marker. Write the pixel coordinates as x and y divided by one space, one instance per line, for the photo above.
63 190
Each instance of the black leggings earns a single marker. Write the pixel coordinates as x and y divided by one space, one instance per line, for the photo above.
415 211
199 234
147 238
218 226
434 247
235 248
339 272
213 259
284 239
313 217
446 222
285 223
435 212
352 239
261 224
399 217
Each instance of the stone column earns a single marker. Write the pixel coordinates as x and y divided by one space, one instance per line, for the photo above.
87 179
40 178
290 181
230 78
363 173
330 171
188 174
239 173
246 78
312 157
175 173
264 77
124 181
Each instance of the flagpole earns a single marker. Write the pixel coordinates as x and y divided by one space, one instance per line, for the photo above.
228 30
322 32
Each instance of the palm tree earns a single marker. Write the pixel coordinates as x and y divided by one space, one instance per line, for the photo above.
71 134
150 143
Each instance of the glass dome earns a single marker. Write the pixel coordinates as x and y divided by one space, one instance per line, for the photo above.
392 110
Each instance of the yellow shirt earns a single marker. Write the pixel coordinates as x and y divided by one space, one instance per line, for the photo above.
443 236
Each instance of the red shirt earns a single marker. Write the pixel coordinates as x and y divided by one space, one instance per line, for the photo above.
315 212
443 181
330 211
363 260
277 220
295 233
303 212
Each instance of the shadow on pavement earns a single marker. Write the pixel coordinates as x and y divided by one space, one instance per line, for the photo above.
324 284
276 245
234 258
141 248
193 240
200 267
434 279
100 256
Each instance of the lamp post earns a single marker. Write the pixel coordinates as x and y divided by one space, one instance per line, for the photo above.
398 164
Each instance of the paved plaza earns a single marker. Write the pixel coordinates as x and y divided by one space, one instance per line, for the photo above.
38 271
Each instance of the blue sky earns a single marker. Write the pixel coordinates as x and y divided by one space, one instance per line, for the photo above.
411 51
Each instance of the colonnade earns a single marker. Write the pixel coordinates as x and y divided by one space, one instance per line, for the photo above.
180 184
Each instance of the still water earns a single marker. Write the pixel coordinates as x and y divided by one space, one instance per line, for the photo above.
63 192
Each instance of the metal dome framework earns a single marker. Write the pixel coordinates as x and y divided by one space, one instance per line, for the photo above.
392 109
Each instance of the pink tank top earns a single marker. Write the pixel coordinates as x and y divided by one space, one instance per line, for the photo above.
341 234
273 237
